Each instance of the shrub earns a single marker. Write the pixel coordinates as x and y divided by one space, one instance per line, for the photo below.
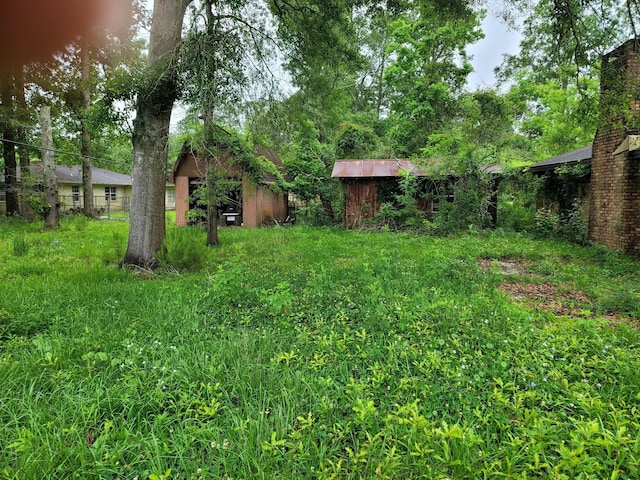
545 223
574 227
20 246
402 211
571 227
184 249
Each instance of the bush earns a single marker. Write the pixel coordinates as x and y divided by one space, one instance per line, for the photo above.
574 227
545 223
516 217
20 246
184 249
403 211
469 208
571 227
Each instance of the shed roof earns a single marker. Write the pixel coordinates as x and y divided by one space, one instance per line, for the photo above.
187 151
579 155
380 168
373 168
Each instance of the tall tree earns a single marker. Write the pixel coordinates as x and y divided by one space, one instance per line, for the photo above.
213 55
85 133
156 98
429 71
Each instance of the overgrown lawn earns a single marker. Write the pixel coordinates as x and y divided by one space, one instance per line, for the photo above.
316 353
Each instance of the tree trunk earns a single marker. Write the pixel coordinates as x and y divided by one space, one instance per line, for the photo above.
7 114
212 200
150 135
85 149
10 173
51 198
212 226
26 210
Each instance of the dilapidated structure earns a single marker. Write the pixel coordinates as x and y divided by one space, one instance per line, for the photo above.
614 214
251 204
609 190
370 183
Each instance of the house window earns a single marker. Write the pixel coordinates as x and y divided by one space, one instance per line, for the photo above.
110 194
3 193
75 193
171 196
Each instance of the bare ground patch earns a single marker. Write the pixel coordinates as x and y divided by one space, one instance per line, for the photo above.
525 287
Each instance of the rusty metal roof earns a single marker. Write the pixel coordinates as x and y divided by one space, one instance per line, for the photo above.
392 168
374 168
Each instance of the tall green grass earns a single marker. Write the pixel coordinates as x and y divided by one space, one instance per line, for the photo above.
313 353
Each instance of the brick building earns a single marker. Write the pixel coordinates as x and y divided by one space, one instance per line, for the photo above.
614 213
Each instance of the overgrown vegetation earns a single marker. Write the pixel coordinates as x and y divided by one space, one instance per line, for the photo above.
317 353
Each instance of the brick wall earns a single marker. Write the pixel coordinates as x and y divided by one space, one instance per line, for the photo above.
614 215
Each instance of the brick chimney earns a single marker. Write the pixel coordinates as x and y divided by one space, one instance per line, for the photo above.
614 215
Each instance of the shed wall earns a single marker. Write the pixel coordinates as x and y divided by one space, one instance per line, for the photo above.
260 206
361 200
182 200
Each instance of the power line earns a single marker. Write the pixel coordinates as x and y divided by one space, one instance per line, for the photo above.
55 150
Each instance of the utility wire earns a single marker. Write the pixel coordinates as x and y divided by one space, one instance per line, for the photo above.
55 150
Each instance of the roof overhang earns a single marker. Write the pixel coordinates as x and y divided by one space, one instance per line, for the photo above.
631 143
579 155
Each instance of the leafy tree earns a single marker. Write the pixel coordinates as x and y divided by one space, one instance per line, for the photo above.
555 76
429 71
355 141
213 54
310 166
563 39
157 94
88 77
558 119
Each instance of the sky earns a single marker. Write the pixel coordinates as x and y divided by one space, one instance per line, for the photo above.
488 52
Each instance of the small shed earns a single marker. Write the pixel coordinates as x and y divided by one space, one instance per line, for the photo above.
365 182
250 205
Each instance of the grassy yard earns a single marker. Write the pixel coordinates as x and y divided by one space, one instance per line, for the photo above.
317 353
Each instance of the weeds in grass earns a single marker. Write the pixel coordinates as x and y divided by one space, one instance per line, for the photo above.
20 246
184 249
325 354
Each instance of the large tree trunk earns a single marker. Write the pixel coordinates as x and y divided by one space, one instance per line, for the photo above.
150 135
212 226
85 149
51 198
